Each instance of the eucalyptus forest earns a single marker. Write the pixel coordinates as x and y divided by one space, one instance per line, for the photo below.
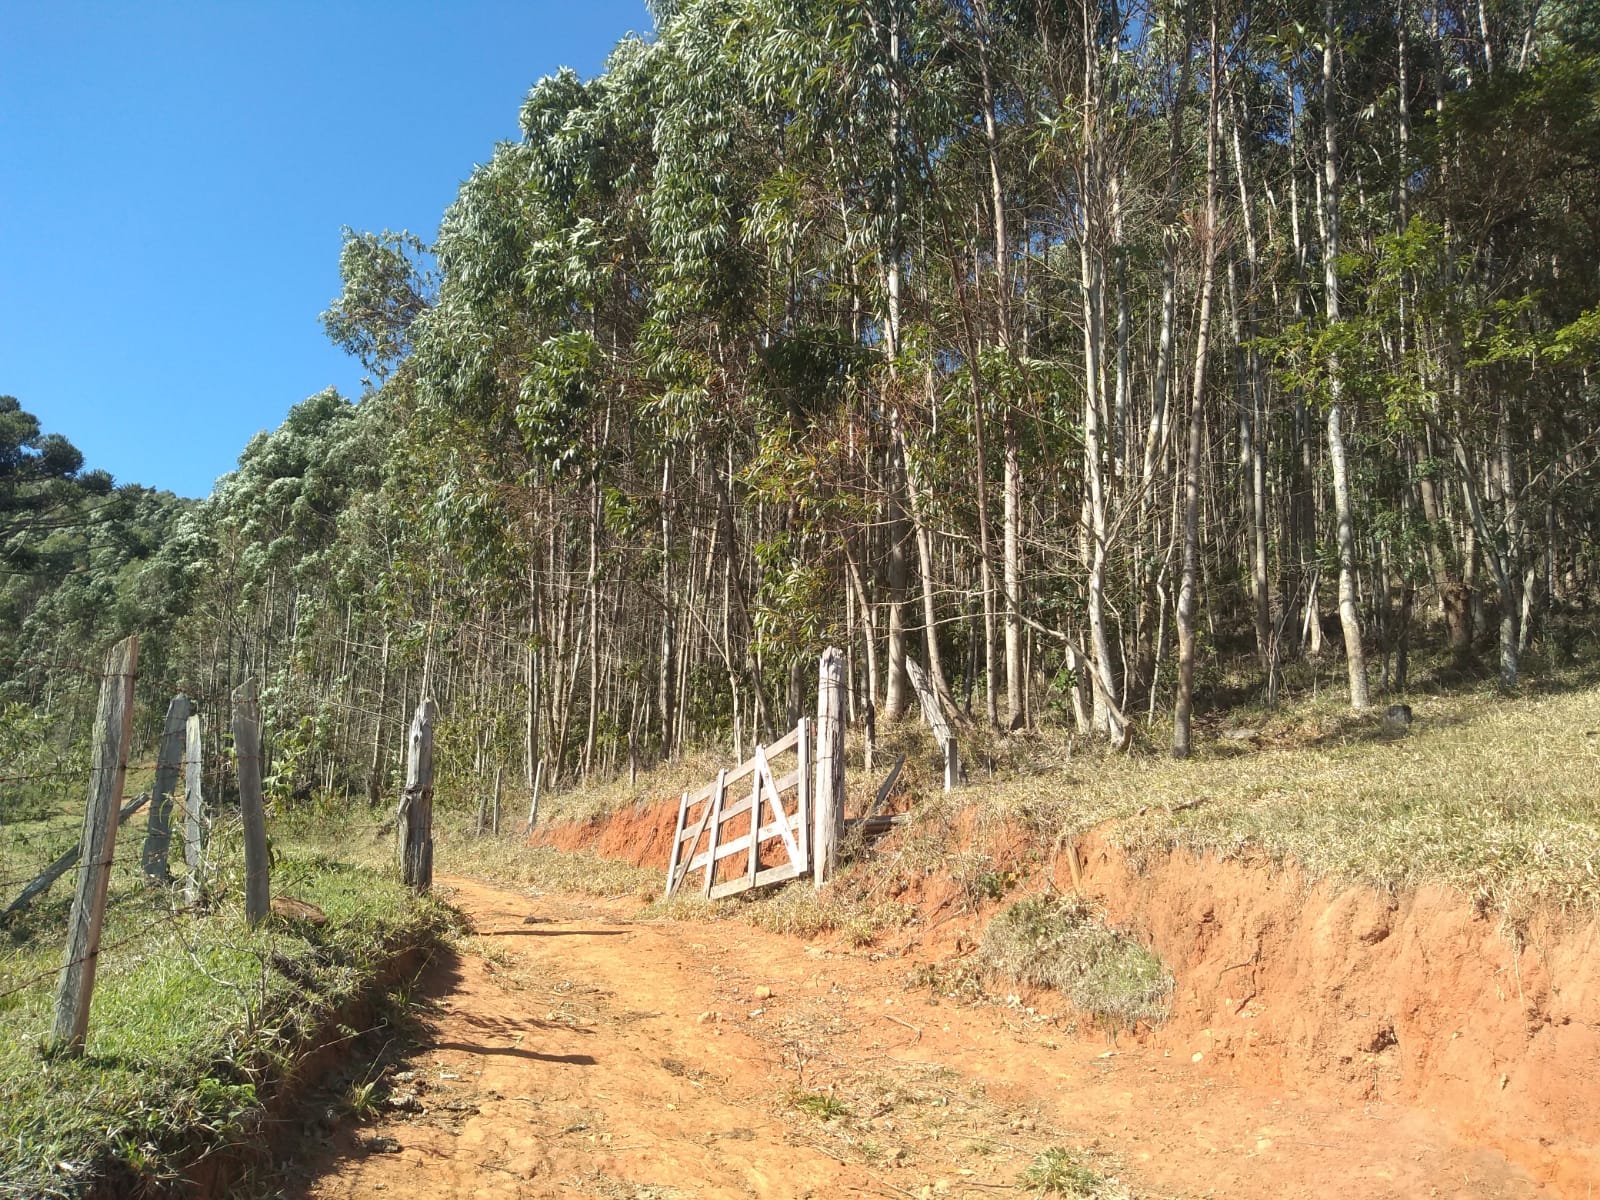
1072 351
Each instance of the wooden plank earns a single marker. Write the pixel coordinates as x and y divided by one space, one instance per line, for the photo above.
830 764
777 874
533 803
732 888
42 881
252 808
784 744
803 792
194 811
415 818
739 773
693 840
687 866
677 841
735 774
109 769
741 844
158 826
755 820
791 821
735 846
765 783
932 710
729 812
763 878
874 826
887 789
933 714
714 827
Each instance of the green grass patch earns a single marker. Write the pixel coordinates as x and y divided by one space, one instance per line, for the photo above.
1058 1171
821 1105
194 1017
1062 943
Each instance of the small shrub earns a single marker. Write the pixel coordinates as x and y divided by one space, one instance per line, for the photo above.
1063 943
1059 1172
820 1105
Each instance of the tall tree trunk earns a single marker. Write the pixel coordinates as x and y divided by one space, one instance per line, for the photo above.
1183 709
1349 618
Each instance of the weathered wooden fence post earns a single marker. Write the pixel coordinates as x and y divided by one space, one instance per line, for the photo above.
933 713
194 817
158 825
829 792
113 723
533 804
252 806
416 802
483 811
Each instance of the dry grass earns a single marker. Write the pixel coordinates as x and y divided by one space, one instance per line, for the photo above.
1059 1171
1065 944
1492 796
506 859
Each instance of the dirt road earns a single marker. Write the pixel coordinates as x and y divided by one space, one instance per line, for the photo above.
572 1050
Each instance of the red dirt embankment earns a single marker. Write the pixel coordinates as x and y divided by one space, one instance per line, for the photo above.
641 835
1414 999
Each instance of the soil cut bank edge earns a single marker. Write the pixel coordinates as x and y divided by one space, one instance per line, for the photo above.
1346 991
218 1164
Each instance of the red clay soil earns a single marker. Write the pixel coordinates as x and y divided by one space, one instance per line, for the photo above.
1414 999
641 835
575 1050
1344 992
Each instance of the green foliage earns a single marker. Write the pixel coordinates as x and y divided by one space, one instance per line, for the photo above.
195 1018
387 286
1059 1171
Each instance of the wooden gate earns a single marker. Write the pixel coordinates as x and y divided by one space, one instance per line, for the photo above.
734 864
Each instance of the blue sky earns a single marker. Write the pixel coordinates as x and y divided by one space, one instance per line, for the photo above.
173 179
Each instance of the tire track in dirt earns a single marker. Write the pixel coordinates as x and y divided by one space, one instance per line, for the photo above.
572 1050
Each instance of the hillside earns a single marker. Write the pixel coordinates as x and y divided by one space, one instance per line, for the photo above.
1190 415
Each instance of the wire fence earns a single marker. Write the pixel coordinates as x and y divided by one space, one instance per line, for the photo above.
48 779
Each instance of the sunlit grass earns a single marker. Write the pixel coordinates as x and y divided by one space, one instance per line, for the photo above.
194 1015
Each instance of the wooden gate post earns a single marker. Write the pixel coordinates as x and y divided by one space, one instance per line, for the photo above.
158 825
113 723
252 806
829 792
416 802
194 820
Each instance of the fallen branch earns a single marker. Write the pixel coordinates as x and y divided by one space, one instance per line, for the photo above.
62 865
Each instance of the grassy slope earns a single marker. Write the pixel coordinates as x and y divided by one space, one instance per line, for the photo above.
191 1013
1493 796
